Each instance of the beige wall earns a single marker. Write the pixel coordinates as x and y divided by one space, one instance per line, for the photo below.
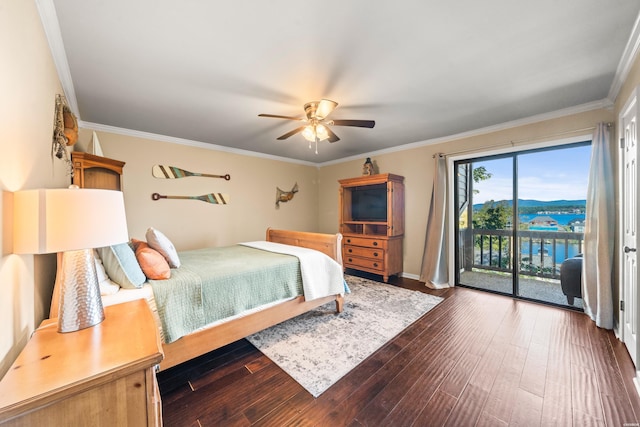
28 84
416 165
194 224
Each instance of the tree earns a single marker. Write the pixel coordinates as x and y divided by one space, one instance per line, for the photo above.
480 174
492 216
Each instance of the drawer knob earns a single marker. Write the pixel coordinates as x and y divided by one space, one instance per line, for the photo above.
375 243
348 240
375 254
350 250
350 260
375 264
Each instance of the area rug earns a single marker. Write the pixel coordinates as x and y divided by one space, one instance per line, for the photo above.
319 347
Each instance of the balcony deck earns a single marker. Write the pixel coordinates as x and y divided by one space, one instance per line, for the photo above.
547 290
487 259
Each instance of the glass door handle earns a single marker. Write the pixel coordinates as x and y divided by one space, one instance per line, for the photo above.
627 249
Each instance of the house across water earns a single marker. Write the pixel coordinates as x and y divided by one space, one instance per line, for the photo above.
577 226
544 223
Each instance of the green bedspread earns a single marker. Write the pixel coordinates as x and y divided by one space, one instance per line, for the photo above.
215 283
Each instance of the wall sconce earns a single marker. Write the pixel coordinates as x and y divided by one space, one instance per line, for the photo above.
72 221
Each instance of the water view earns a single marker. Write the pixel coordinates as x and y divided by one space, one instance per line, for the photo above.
562 219
547 251
493 249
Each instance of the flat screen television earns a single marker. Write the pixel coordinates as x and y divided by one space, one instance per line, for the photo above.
369 203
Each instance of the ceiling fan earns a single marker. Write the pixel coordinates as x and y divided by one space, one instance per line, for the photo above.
316 127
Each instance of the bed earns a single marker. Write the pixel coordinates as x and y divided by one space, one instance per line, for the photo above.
107 173
223 332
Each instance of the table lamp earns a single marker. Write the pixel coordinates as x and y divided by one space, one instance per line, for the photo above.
73 222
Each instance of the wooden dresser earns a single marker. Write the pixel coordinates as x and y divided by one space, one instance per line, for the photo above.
372 223
99 376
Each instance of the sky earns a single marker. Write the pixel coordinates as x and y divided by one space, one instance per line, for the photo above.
547 175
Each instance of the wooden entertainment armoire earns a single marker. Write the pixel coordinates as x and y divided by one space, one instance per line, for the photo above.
373 244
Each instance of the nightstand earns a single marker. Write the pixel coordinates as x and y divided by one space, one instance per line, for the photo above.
99 376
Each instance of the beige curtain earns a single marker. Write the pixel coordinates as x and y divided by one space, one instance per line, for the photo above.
434 260
597 266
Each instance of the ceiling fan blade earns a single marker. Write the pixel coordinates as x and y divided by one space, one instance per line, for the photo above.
276 116
332 136
324 108
293 132
356 123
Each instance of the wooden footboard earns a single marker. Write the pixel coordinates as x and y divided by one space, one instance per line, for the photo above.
206 340
330 244
201 342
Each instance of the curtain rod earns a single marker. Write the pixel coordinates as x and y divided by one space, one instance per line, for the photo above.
515 142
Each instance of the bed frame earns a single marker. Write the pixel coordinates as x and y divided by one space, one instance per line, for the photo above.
102 171
206 340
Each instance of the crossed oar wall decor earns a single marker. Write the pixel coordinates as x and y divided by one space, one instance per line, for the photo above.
173 172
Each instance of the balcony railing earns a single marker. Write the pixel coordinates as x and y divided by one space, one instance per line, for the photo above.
538 253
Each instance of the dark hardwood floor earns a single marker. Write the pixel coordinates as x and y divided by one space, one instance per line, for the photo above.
475 359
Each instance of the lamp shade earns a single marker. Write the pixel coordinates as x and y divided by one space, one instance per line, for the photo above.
58 220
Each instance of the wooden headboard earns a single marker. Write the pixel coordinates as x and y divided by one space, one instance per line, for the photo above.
91 171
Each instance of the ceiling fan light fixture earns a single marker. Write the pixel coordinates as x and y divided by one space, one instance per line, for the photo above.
309 134
321 132
318 128
315 132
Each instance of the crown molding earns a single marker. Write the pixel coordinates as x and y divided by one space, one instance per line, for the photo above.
590 106
49 19
188 142
626 61
51 27
596 105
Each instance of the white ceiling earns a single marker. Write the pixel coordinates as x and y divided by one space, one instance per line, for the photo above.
203 70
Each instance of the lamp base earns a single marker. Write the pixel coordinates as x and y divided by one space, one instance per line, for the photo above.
80 304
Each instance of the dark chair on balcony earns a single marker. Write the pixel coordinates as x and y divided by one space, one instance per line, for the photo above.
571 278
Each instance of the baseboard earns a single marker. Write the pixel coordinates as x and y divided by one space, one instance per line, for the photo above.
409 276
617 334
636 383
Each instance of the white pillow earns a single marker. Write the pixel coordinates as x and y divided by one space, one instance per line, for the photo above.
107 287
102 275
161 243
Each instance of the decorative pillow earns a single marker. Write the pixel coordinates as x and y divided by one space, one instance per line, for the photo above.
152 262
107 287
162 244
102 275
135 243
121 265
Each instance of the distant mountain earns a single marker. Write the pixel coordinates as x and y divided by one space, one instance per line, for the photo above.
526 203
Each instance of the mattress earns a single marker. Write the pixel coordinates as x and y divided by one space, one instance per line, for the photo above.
146 293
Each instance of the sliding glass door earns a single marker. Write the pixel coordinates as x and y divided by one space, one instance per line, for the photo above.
485 222
520 216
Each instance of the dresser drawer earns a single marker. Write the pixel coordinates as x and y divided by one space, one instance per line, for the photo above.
363 252
371 264
363 241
